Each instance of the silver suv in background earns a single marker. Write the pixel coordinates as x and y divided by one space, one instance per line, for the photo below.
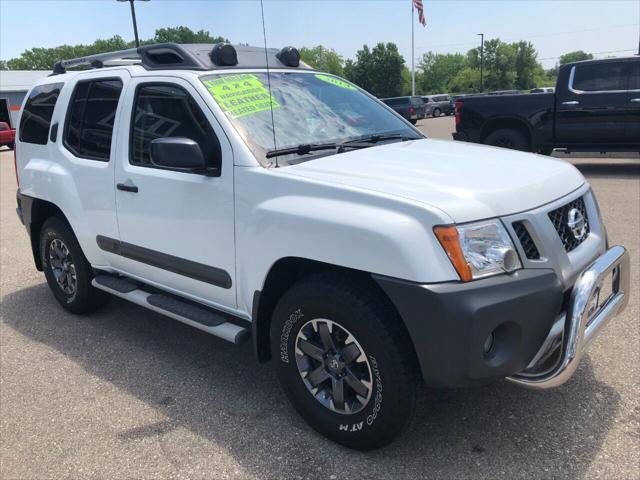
436 105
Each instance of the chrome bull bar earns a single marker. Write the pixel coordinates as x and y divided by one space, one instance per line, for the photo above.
582 321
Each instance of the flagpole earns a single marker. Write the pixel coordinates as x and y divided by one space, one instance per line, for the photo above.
413 57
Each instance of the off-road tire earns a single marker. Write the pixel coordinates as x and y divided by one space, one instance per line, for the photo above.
358 306
508 138
85 298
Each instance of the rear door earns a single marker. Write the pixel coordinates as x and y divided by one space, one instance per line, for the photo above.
176 227
593 109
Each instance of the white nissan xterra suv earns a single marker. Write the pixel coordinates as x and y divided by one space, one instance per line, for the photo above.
241 192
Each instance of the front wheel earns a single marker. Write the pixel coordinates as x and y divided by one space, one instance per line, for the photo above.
436 112
345 361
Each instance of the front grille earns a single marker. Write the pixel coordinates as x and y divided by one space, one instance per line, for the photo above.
560 219
527 243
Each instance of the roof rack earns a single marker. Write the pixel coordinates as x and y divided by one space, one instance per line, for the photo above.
200 56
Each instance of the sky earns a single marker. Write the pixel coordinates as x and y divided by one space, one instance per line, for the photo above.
554 27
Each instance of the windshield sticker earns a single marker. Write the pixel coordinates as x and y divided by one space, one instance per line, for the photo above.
240 95
335 81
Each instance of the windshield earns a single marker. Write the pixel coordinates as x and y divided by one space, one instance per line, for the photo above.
308 108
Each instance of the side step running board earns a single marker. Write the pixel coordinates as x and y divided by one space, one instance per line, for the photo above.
204 318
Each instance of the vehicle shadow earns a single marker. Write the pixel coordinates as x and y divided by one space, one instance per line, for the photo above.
220 393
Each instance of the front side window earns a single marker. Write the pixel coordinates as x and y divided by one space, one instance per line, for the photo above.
306 108
36 117
600 77
90 119
166 110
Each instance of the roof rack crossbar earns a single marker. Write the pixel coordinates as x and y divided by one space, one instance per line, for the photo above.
95 60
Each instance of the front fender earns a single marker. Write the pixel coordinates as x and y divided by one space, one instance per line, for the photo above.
344 227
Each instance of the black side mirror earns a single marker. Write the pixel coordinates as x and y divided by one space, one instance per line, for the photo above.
180 153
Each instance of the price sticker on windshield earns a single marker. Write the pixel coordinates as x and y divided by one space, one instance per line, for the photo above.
240 95
336 82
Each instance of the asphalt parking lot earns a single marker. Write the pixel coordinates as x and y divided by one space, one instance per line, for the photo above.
128 393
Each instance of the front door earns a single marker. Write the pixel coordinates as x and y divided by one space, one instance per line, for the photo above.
593 108
176 227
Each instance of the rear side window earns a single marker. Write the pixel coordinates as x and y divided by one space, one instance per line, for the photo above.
395 101
36 117
600 77
163 110
92 111
416 102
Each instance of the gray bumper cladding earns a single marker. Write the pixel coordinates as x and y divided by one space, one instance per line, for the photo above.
585 317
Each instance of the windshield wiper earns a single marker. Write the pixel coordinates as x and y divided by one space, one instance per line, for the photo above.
366 141
302 149
306 148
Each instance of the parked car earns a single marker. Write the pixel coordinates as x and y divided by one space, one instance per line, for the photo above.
543 90
439 104
7 135
595 107
411 108
235 193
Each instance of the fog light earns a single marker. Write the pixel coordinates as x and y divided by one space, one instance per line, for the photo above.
488 343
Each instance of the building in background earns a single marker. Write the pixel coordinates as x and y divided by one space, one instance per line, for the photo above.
14 85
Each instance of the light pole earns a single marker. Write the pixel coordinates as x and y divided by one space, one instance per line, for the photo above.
481 60
133 17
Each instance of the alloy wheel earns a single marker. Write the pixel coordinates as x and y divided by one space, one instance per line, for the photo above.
333 366
62 266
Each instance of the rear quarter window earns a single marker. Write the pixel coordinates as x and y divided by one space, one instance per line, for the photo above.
36 116
600 77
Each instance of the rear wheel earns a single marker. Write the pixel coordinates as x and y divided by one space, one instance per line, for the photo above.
11 146
344 360
507 138
66 269
436 112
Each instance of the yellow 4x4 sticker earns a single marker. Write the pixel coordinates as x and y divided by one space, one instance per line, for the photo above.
240 95
335 81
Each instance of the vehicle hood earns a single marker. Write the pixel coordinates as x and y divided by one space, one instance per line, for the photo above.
466 181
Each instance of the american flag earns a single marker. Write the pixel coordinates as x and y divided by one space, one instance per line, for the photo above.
417 4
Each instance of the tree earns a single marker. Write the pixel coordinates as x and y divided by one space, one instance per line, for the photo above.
575 57
526 65
44 58
499 65
437 70
324 59
379 71
184 35
466 80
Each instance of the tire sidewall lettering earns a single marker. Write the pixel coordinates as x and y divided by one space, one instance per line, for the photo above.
286 334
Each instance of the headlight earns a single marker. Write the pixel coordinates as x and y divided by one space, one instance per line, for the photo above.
478 250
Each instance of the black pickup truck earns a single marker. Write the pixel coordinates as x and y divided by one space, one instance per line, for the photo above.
596 107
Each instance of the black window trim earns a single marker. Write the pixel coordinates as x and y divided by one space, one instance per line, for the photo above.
156 83
67 117
591 92
60 86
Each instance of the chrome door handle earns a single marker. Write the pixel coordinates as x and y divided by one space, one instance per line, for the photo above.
635 100
572 102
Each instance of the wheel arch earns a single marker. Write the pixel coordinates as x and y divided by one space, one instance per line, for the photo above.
283 274
36 212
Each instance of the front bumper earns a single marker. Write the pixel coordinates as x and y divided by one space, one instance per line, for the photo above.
586 315
450 323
